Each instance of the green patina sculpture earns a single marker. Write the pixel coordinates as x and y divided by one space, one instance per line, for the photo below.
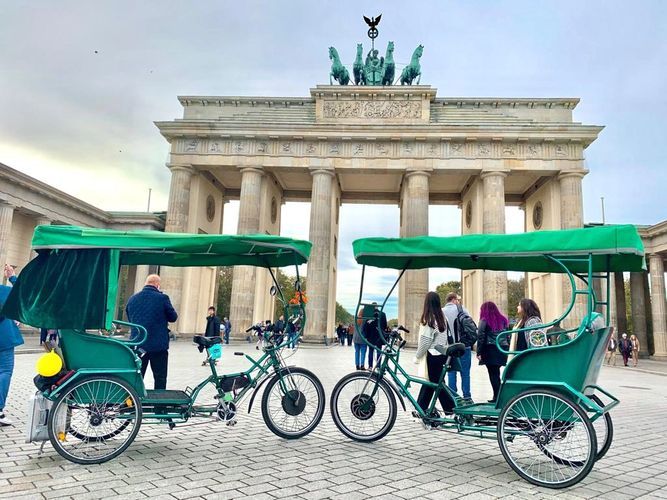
413 70
338 71
375 70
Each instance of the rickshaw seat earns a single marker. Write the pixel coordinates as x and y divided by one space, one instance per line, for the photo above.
206 342
575 364
455 350
85 351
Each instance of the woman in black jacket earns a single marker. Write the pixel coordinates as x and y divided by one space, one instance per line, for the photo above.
491 323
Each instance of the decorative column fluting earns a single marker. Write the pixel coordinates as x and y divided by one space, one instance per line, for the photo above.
621 307
6 216
658 305
493 222
319 263
572 217
243 283
414 216
178 211
638 304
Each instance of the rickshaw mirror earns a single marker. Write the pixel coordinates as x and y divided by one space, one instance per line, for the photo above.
297 286
273 290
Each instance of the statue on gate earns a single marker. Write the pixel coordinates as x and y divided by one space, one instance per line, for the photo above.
338 71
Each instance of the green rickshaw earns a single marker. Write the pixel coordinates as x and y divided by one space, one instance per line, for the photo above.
93 409
549 419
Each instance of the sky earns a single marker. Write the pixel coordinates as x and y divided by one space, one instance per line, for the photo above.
81 84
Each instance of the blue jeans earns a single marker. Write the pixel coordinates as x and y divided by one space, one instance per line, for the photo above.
291 342
6 369
359 354
466 360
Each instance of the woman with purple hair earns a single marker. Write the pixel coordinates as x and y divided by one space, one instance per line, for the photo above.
491 323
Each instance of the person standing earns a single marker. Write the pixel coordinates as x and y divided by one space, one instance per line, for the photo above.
433 332
611 350
212 329
635 349
228 329
625 346
451 310
350 334
491 323
373 331
152 309
360 345
341 333
10 337
529 317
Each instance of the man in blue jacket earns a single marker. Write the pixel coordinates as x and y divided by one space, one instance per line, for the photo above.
10 337
152 309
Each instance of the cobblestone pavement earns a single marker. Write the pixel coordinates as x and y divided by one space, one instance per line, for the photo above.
248 461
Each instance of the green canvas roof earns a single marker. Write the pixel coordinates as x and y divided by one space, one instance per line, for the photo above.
614 248
178 249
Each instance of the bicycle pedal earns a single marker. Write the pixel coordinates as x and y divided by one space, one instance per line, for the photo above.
231 423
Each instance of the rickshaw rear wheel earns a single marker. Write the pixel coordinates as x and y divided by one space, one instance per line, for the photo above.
538 425
294 412
103 413
357 413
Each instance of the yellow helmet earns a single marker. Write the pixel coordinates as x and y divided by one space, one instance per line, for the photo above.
49 364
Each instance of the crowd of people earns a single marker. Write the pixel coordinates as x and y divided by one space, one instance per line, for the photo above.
628 347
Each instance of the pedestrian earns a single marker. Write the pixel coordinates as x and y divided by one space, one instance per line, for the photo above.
212 329
433 331
350 334
228 329
555 335
152 309
360 345
43 333
635 349
529 317
625 347
10 337
491 323
341 333
451 310
290 329
611 350
373 331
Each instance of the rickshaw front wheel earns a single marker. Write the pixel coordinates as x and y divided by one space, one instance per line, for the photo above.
363 407
604 430
95 419
546 438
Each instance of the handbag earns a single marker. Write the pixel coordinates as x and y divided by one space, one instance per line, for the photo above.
422 368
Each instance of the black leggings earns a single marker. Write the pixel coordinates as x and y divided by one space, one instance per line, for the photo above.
159 362
435 365
494 377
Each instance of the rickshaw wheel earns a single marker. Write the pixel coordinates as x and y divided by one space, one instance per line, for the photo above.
546 438
103 413
294 412
604 431
358 415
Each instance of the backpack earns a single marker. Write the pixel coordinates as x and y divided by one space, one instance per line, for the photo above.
465 328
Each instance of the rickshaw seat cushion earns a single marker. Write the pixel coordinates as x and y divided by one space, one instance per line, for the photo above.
456 350
206 342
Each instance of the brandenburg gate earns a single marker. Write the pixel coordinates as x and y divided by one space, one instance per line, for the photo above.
396 144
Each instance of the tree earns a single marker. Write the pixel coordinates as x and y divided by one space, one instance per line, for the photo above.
443 289
287 286
225 276
628 306
343 316
516 290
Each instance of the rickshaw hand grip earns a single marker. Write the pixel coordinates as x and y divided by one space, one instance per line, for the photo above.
143 334
238 354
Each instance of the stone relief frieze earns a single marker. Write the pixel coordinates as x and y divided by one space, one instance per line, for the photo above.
358 149
334 148
382 149
372 109
191 145
262 147
484 149
238 147
311 148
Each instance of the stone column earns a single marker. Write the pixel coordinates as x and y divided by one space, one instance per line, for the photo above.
178 211
140 274
572 217
414 216
243 282
638 303
319 264
493 222
621 307
6 216
658 306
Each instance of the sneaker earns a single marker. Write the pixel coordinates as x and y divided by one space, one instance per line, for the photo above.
4 421
467 401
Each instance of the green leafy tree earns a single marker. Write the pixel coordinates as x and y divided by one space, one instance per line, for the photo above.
628 306
286 283
342 315
516 290
443 289
225 275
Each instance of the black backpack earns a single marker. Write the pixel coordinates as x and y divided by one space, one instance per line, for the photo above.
465 328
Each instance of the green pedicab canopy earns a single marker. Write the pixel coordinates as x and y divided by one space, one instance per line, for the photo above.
614 248
73 281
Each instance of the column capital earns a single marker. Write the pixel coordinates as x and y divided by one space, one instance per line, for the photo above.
493 173
410 173
6 204
257 170
43 220
323 171
571 173
174 167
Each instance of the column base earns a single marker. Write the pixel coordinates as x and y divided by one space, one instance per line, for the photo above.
658 357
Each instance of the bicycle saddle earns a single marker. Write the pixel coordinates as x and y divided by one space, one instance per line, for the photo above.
206 342
455 350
